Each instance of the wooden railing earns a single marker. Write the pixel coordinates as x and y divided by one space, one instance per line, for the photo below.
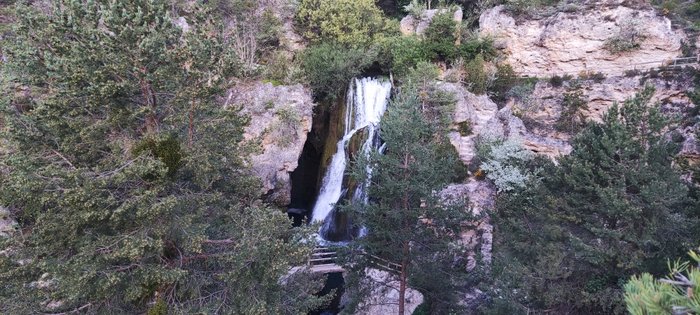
324 260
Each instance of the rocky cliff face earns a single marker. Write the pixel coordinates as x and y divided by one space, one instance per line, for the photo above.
280 119
565 43
571 42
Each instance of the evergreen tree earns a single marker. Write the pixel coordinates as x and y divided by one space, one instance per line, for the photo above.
126 176
613 207
676 294
406 222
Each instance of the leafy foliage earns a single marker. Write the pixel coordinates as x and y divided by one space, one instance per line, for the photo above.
628 38
407 223
126 175
615 206
330 66
349 22
571 118
441 35
476 76
675 294
505 162
402 53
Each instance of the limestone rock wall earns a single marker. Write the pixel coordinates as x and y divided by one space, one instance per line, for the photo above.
574 42
280 119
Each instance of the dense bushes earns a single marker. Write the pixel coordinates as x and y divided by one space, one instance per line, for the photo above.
572 119
330 66
505 80
476 76
349 22
441 35
611 208
400 54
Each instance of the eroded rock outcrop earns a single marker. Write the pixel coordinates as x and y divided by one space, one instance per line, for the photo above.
546 105
484 116
7 223
384 296
280 119
573 42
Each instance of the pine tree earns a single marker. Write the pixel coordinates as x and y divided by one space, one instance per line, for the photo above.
126 175
675 294
406 222
613 207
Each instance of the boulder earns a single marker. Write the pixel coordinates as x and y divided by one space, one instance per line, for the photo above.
384 295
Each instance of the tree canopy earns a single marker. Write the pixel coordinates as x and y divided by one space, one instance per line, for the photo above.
127 176
613 207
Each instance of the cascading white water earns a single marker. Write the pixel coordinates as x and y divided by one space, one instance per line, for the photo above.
365 105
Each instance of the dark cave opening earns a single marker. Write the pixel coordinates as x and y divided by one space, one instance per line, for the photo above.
307 176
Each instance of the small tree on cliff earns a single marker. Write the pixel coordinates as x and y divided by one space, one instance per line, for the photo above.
126 176
405 220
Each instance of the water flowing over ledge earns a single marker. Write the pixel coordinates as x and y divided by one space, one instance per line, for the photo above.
366 103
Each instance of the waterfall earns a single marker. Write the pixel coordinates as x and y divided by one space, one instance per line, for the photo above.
365 105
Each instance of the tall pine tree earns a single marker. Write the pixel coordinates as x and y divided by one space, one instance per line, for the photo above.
126 176
613 207
406 221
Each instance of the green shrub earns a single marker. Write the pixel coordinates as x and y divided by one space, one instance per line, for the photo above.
288 115
269 29
632 73
628 38
571 119
423 75
476 76
556 81
159 308
403 53
330 66
464 128
525 103
521 91
349 22
277 66
440 36
437 104
531 8
472 46
166 149
503 83
422 309
598 77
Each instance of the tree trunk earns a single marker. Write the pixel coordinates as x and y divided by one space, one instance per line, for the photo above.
149 98
190 127
405 250
402 279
